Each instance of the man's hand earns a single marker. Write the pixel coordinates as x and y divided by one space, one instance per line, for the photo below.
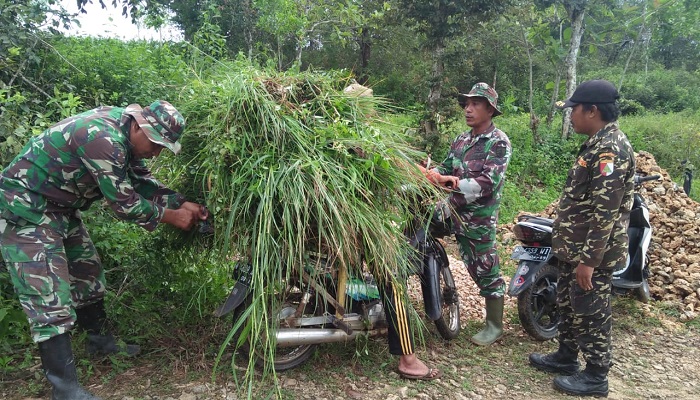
197 209
584 273
444 181
182 218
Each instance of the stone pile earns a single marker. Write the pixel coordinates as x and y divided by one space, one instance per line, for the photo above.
674 254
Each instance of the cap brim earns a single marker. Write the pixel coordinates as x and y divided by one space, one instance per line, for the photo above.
151 132
565 104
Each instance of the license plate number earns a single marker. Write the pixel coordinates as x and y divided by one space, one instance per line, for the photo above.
531 253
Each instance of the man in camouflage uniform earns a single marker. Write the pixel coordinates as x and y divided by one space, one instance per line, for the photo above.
53 264
476 167
589 241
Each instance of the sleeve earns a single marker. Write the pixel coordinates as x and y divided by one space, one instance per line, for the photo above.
105 160
607 190
445 168
150 188
482 176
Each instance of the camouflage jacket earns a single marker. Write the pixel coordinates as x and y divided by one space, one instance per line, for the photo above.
593 213
77 161
480 162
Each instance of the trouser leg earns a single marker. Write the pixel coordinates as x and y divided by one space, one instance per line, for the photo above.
38 267
394 302
483 264
85 267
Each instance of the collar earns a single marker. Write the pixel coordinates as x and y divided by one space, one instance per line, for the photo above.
601 134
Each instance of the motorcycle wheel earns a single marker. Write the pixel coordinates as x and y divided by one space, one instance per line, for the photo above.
448 325
285 358
643 292
537 305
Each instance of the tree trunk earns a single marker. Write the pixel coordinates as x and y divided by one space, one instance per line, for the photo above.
555 97
365 53
576 14
430 125
534 120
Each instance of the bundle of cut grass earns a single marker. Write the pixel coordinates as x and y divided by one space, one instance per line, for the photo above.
289 165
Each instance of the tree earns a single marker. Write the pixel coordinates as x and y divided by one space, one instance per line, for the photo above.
440 20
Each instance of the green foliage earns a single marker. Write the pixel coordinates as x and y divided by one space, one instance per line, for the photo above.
290 166
671 138
116 73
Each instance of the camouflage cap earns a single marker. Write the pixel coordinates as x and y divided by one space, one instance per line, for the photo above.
597 91
161 122
482 89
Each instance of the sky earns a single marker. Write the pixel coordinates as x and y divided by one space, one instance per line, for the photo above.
111 23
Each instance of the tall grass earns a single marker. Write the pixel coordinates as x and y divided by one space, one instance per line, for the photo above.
290 166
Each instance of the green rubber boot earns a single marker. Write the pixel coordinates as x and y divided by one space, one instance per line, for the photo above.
494 323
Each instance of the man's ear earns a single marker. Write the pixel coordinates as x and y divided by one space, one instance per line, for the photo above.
595 110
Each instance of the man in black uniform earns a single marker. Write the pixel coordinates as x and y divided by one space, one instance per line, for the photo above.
590 240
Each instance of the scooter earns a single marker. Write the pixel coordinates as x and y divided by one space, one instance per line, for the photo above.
324 304
535 279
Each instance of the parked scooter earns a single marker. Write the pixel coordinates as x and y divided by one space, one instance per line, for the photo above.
535 279
313 307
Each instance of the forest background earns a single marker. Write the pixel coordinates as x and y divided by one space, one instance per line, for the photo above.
417 54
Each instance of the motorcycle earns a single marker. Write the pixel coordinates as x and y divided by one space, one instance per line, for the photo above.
535 280
324 304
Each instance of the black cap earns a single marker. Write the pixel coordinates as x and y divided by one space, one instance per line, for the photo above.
597 91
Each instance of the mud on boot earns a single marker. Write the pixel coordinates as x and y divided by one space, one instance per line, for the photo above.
592 381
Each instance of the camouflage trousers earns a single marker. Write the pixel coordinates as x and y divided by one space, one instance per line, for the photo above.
483 264
54 268
586 316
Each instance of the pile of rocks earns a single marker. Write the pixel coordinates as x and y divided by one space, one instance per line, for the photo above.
674 254
674 257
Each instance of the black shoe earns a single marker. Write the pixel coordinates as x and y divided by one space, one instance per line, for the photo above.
593 381
59 367
562 361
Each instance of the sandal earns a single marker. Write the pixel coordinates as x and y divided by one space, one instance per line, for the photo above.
432 374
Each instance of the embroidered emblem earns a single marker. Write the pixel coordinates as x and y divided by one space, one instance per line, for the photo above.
607 167
582 162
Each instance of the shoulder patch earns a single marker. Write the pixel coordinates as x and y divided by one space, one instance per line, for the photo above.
582 162
606 155
607 166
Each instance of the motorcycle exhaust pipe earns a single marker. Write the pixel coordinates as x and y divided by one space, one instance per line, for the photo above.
299 337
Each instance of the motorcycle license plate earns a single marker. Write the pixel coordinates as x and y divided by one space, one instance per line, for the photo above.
531 253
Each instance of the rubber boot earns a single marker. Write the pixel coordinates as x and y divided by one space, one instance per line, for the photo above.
592 381
59 367
563 361
494 323
92 319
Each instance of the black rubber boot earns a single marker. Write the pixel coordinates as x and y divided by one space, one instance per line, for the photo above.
59 367
563 361
92 319
592 381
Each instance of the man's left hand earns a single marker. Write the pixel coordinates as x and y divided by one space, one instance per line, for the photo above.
584 275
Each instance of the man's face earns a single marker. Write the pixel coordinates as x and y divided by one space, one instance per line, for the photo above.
581 120
478 112
142 147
